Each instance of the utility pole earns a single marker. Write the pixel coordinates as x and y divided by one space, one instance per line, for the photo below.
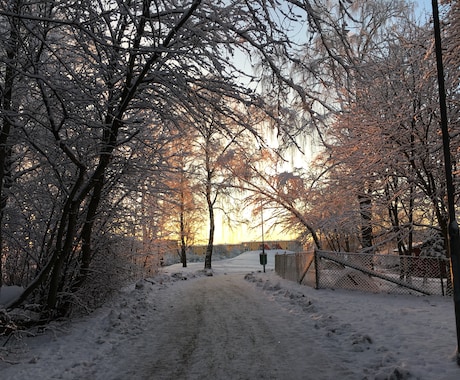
453 230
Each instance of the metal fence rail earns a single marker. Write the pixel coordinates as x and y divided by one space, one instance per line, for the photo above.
366 272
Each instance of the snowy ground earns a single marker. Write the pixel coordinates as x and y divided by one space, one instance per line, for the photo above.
242 324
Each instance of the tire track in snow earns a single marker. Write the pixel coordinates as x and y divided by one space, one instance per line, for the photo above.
223 327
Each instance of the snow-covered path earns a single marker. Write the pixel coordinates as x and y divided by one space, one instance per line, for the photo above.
241 324
221 327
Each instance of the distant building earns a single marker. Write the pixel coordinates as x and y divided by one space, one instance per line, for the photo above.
288 245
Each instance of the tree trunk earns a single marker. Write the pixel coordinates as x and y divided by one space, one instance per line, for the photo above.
6 107
183 251
209 249
86 235
62 249
95 183
365 208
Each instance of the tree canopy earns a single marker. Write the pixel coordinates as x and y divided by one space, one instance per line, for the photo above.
105 104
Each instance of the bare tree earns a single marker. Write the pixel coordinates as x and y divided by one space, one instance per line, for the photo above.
10 36
387 138
98 95
182 213
217 133
97 73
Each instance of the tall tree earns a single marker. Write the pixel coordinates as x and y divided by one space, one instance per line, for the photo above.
217 134
182 215
9 68
388 136
98 95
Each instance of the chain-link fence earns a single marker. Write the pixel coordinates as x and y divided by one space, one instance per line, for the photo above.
366 272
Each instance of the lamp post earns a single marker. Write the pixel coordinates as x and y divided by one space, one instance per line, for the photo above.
453 229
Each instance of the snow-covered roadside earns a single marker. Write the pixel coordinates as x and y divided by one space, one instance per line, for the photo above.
393 336
376 335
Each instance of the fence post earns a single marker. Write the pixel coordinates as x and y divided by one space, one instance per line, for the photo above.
442 266
297 266
316 269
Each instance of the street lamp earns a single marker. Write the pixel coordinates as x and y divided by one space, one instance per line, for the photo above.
453 230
